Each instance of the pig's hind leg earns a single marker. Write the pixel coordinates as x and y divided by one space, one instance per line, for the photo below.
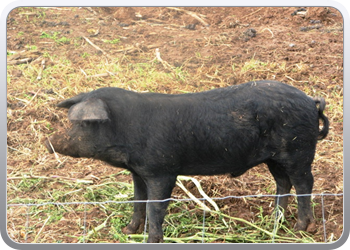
283 184
295 170
303 183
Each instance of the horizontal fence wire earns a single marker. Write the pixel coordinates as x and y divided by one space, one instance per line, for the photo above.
277 196
170 199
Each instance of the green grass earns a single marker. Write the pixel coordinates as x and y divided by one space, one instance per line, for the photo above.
55 36
184 223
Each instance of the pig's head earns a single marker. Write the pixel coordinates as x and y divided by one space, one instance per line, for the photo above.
92 134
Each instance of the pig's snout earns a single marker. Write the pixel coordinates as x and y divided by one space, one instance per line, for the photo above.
48 145
63 144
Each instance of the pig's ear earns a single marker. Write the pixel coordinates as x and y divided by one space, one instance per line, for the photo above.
71 101
89 110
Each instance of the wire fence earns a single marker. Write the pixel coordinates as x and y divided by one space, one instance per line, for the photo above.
273 234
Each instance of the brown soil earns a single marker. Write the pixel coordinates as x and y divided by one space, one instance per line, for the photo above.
309 42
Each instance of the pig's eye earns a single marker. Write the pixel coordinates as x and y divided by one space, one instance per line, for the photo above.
87 123
84 124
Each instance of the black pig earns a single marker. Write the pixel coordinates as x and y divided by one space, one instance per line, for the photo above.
227 130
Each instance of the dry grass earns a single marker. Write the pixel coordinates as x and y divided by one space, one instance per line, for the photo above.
34 176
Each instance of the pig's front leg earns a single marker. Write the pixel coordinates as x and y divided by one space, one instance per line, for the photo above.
137 223
158 188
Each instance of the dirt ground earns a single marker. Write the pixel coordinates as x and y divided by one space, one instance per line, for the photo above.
206 41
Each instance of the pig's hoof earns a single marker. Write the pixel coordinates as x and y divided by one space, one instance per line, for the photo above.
155 239
133 229
301 225
311 228
128 230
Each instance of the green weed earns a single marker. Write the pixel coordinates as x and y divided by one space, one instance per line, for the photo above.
55 36
114 41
